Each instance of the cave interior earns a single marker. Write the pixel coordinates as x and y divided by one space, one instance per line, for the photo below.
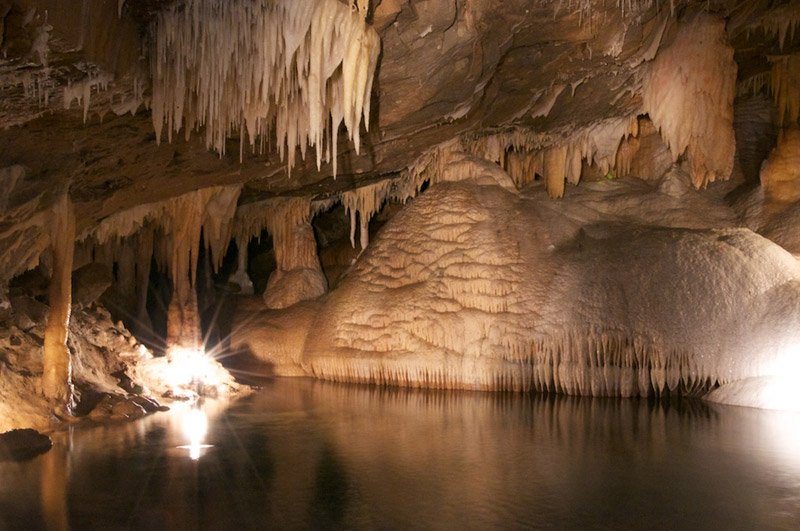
577 196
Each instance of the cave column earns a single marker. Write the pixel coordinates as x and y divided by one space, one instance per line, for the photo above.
240 277
183 319
208 211
144 255
57 374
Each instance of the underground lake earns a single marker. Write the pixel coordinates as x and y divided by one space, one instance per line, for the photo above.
306 454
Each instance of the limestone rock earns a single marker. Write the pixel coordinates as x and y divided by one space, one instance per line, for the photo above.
117 407
89 283
29 313
286 288
275 338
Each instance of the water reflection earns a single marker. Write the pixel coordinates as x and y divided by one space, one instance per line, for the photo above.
54 474
195 426
305 454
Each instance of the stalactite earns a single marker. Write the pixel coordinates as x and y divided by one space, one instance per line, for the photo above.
186 215
218 222
365 201
81 91
523 154
241 66
785 87
779 21
169 231
555 160
57 375
688 92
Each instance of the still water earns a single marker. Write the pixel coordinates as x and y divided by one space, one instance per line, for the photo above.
307 454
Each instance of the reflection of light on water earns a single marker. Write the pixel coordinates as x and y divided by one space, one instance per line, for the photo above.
195 426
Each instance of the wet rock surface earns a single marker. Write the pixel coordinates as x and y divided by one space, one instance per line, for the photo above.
23 444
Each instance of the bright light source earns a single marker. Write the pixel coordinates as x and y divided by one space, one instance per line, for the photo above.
191 369
783 391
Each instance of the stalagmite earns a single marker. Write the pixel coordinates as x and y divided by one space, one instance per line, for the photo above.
780 173
298 276
57 375
299 69
688 93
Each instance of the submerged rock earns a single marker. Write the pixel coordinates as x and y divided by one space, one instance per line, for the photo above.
20 445
117 407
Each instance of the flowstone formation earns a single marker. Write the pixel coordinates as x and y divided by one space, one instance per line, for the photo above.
469 287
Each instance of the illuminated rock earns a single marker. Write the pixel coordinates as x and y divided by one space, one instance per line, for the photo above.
688 93
57 377
473 287
780 173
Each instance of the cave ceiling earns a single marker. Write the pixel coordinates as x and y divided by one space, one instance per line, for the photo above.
447 69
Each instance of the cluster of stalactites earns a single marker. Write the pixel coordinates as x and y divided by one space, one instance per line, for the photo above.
245 66
780 21
279 216
688 92
524 155
364 202
585 8
784 83
587 365
174 227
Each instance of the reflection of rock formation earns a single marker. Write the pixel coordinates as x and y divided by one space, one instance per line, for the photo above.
311 454
54 484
